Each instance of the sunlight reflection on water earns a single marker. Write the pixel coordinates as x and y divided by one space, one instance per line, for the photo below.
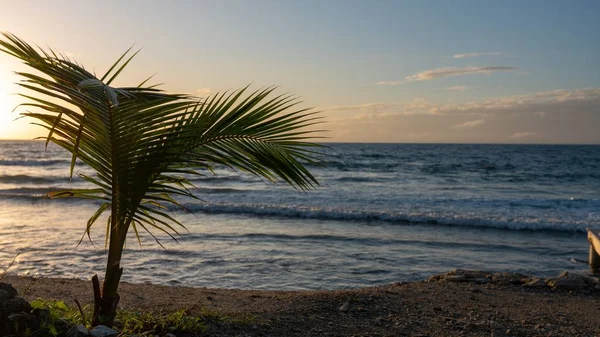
275 253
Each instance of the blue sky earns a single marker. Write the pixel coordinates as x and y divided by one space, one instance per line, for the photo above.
389 71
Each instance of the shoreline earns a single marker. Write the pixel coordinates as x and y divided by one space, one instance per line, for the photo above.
458 303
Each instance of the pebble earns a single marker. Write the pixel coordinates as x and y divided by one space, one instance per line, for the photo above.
345 307
103 331
78 331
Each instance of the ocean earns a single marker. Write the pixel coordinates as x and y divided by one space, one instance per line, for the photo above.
383 213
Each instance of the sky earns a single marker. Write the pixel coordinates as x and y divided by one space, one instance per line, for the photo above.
380 71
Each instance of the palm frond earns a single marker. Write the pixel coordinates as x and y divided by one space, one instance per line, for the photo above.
140 140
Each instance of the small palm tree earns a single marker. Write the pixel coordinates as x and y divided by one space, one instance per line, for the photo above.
142 142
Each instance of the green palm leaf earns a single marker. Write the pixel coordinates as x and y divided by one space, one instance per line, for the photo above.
141 141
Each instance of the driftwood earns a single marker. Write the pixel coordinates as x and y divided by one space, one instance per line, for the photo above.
594 258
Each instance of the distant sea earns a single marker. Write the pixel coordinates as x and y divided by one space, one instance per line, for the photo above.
383 213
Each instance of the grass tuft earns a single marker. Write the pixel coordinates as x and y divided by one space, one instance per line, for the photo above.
8 267
151 323
130 322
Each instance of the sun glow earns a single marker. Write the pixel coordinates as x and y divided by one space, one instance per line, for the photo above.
5 115
9 129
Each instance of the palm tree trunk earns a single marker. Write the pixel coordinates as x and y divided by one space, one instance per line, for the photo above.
105 305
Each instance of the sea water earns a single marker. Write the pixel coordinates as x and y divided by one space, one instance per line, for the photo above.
383 213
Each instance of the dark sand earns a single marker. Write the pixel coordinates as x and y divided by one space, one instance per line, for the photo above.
403 309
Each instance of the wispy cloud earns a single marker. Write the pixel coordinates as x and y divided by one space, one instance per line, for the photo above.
438 73
538 104
526 134
370 107
433 74
468 124
418 106
202 92
469 55
398 82
458 88
574 113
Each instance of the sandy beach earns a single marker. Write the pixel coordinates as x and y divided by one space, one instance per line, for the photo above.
441 306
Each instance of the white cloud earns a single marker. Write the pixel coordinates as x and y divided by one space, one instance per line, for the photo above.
539 104
469 124
572 116
469 55
532 103
433 74
390 82
453 71
418 106
521 135
458 88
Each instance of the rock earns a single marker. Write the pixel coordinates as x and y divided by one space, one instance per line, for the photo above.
568 283
535 282
468 273
508 278
482 280
103 331
17 304
42 315
20 323
345 307
456 278
435 278
62 326
4 295
78 331
589 279
9 289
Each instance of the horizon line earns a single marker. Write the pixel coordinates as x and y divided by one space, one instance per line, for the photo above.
354 142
